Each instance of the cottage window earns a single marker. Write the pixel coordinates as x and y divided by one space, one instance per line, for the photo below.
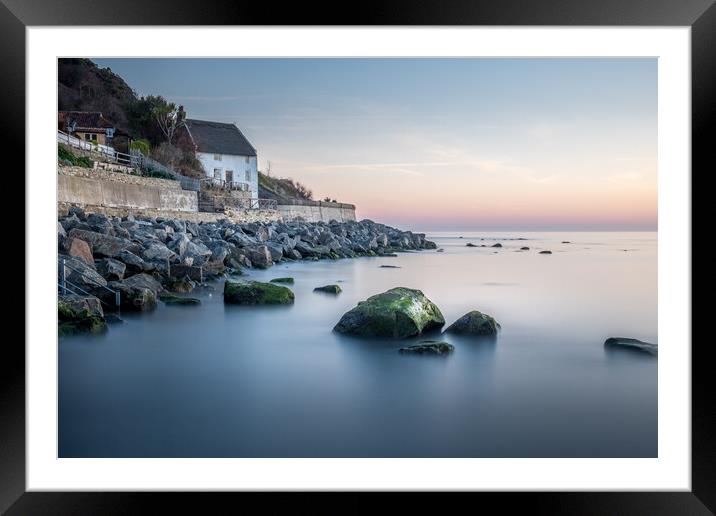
90 137
248 176
229 176
217 173
217 157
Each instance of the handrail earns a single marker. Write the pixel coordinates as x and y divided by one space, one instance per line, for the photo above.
64 281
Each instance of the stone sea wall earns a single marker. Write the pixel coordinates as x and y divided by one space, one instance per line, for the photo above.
317 211
89 187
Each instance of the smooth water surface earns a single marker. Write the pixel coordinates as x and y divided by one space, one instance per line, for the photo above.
232 381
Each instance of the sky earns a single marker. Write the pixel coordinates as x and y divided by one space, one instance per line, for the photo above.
443 143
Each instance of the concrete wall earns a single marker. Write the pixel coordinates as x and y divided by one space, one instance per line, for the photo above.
316 211
103 188
237 164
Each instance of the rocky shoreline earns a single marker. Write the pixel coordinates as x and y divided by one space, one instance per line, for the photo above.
146 259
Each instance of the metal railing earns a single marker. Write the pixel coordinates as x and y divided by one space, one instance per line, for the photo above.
104 151
146 163
215 182
64 282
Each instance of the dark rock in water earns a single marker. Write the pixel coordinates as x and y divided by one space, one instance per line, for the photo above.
441 250
474 323
171 299
193 272
525 248
497 245
329 289
398 313
138 292
631 344
256 293
469 244
390 267
76 314
184 284
429 347
282 280
545 252
389 255
113 319
566 242
260 256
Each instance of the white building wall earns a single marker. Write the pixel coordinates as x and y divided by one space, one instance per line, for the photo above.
236 163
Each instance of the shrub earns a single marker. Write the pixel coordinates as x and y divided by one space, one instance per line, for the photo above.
66 156
142 146
159 174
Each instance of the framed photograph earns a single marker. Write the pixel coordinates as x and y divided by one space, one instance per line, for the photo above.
436 250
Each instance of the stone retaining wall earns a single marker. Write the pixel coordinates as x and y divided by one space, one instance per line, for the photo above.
238 217
317 211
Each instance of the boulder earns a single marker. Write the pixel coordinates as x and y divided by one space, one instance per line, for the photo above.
133 263
256 293
182 285
328 289
470 244
474 323
260 256
545 252
193 272
524 248
631 345
157 251
79 273
77 314
79 249
105 245
111 269
398 313
497 245
132 296
429 347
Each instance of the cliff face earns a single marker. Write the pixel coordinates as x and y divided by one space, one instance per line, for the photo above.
83 86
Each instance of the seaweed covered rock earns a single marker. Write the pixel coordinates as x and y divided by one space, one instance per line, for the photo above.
76 314
282 280
173 299
329 289
428 347
398 313
474 323
256 293
631 345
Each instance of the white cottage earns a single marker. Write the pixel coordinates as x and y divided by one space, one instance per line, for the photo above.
226 155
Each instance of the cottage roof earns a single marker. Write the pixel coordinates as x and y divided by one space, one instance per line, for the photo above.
219 138
89 121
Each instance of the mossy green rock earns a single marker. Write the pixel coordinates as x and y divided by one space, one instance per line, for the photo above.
171 299
328 289
73 319
474 323
256 293
428 347
397 313
282 280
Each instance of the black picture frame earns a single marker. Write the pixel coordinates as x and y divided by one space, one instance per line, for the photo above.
17 15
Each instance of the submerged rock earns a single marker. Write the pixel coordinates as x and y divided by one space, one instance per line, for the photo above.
171 299
390 266
329 289
469 244
631 344
398 313
474 323
497 245
441 250
77 314
429 347
282 280
545 252
524 248
256 293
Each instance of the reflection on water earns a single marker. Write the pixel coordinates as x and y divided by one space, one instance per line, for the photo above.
231 381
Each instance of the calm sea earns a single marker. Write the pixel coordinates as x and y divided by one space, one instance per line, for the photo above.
231 381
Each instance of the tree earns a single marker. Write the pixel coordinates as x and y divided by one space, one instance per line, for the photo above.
168 116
